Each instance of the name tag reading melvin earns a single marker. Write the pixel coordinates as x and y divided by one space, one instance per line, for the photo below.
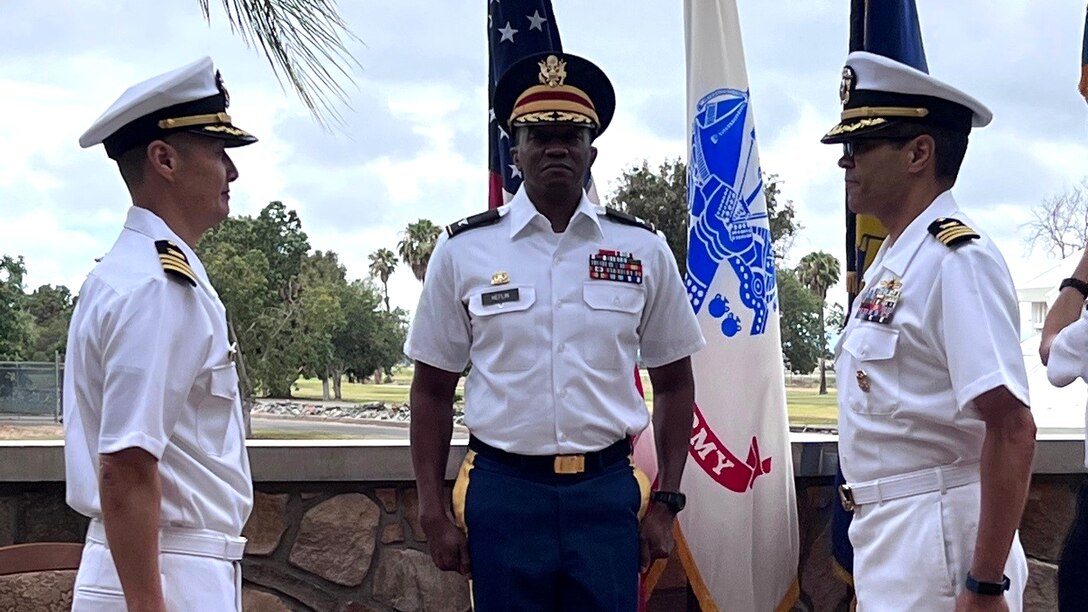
500 297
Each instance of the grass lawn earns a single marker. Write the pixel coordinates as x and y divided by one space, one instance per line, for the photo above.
805 406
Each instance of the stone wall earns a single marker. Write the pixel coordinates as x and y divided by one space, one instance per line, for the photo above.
357 546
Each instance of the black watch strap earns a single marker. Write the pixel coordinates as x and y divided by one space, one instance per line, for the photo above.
1075 283
987 588
673 500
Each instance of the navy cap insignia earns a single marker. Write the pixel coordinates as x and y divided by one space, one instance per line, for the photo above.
174 262
222 88
846 85
952 232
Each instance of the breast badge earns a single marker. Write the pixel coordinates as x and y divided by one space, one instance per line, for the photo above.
615 266
878 303
863 381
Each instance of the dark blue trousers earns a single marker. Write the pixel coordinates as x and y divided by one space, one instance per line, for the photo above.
1073 568
550 542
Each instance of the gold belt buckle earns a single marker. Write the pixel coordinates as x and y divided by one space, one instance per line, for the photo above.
570 464
846 497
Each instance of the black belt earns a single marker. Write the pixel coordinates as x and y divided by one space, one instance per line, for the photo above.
555 464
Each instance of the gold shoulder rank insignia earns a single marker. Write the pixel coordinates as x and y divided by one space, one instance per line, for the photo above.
174 262
952 232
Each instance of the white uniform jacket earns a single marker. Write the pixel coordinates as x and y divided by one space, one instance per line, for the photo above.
906 384
149 366
553 324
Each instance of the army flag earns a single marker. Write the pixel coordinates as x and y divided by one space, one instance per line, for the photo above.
738 535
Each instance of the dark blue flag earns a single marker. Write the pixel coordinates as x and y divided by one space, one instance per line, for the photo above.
889 28
515 29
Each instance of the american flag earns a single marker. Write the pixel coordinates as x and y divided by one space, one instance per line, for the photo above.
515 29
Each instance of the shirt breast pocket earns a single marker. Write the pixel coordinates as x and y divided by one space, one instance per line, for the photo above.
612 320
216 411
503 329
876 372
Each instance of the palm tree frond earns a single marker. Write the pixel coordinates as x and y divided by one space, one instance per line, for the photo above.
305 43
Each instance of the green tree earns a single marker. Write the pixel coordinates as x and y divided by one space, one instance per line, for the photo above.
322 285
51 308
382 264
781 216
255 263
819 271
417 245
16 324
374 339
800 320
661 197
303 41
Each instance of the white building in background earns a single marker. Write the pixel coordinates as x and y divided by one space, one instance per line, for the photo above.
1052 407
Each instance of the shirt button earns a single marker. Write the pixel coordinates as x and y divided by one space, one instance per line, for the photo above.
561 347
563 393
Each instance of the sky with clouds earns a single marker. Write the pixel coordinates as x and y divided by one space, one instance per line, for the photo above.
413 142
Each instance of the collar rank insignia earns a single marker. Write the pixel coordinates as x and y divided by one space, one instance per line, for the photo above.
615 266
174 262
878 303
952 232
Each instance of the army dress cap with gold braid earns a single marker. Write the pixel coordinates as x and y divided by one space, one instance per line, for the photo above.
190 99
878 93
554 88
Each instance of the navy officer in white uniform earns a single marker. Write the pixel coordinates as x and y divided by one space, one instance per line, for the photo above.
935 434
552 299
154 443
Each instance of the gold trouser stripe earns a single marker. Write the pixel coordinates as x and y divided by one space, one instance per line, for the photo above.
643 488
883 111
177 122
460 490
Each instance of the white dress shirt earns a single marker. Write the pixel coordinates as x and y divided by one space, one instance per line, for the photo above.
553 359
907 387
149 366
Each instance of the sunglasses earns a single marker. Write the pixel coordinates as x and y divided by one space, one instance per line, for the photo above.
852 147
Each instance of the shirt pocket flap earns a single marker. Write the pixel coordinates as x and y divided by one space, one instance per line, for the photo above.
620 298
872 343
495 301
224 381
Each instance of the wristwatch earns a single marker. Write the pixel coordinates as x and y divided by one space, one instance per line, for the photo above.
673 500
1075 283
987 588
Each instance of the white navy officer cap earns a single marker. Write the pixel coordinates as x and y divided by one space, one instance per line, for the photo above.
879 93
189 99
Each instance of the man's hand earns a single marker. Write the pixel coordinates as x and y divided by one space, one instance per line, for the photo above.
973 602
448 545
655 535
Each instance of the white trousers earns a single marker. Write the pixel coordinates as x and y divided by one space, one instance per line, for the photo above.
914 553
189 582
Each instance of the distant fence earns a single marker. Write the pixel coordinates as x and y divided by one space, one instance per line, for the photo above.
29 388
